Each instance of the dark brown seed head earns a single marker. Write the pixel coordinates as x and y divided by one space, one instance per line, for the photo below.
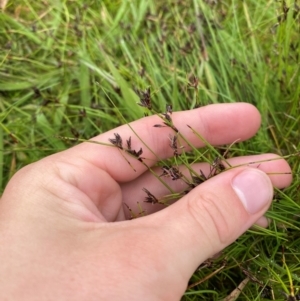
167 117
135 153
145 98
169 109
138 153
173 144
150 198
128 143
117 141
216 167
197 180
173 141
172 172
75 132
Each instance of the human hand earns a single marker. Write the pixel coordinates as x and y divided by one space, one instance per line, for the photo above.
62 222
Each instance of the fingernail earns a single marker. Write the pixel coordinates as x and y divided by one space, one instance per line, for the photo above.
254 189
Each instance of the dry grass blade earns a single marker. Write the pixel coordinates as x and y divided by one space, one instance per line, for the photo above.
207 277
235 293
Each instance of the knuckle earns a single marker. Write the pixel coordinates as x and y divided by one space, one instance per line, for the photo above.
208 213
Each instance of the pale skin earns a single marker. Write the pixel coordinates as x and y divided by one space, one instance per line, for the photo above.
63 228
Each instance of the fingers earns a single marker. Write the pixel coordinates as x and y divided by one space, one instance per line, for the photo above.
262 222
278 170
210 217
218 124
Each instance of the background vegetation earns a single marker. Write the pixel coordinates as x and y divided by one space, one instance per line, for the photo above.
69 69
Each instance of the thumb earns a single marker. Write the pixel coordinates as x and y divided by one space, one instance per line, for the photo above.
212 216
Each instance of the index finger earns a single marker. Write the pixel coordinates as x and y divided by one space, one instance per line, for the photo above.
218 124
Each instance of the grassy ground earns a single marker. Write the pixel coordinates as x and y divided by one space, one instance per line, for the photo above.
70 68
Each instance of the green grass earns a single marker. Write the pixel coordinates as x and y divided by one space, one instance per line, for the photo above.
71 67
